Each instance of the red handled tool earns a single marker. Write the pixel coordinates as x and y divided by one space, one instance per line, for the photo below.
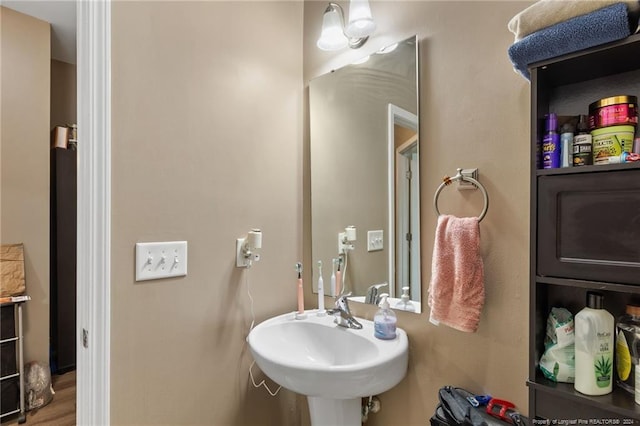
501 409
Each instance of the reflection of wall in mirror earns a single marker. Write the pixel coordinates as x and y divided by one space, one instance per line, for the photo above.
348 129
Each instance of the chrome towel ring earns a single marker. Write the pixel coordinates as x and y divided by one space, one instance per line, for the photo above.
459 176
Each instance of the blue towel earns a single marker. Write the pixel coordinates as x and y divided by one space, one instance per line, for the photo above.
601 26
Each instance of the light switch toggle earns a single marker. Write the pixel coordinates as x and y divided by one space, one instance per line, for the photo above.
375 240
152 260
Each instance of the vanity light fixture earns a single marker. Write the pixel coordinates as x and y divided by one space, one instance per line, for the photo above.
334 35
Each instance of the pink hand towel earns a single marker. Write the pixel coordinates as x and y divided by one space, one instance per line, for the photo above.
456 291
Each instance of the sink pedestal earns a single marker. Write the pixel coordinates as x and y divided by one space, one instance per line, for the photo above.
335 412
333 366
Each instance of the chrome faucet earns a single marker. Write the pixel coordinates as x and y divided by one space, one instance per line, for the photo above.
372 294
342 313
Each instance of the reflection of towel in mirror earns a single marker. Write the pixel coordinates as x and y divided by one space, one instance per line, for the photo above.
456 291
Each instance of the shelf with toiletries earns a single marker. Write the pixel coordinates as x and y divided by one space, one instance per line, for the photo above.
584 229
551 292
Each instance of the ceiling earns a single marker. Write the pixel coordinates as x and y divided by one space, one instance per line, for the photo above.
61 14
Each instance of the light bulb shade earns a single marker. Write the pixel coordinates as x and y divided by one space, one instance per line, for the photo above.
360 20
332 36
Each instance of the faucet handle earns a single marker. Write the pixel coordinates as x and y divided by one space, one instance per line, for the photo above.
342 299
372 297
342 303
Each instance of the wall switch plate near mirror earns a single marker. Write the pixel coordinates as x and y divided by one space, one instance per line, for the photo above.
365 174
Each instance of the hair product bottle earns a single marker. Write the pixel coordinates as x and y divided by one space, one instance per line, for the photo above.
566 144
627 346
594 347
582 143
551 143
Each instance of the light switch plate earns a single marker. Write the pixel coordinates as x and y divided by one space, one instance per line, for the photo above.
161 260
375 240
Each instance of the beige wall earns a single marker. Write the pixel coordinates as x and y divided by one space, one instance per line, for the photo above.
206 144
24 155
474 112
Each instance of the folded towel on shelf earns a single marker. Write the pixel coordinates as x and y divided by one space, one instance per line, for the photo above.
601 26
546 13
456 291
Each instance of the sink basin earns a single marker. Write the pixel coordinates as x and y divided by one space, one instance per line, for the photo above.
333 366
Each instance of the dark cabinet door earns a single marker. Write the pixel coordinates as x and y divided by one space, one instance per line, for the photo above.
589 226
63 259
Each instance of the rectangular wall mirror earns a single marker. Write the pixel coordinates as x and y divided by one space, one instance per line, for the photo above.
365 175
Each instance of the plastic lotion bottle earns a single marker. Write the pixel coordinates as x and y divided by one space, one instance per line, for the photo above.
384 322
594 347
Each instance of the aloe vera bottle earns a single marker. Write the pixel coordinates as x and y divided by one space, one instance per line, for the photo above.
594 347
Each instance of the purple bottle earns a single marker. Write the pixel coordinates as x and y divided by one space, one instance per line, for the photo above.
551 143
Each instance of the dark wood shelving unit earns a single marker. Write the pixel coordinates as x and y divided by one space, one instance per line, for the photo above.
571 211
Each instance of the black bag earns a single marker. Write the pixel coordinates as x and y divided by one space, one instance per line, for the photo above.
455 409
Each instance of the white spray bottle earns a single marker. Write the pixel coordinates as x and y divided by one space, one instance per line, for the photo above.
321 311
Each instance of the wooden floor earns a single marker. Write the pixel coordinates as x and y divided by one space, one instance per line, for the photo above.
61 411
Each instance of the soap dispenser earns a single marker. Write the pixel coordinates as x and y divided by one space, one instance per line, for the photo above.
405 301
384 322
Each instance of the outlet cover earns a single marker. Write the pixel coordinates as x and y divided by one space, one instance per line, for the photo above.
161 260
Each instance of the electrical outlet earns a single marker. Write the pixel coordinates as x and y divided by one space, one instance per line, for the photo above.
342 246
375 240
241 260
161 260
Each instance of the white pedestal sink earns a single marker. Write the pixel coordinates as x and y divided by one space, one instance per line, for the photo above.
335 367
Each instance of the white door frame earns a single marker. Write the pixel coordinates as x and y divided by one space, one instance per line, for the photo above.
94 212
